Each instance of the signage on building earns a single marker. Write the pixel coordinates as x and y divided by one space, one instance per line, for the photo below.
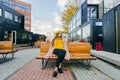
98 23
93 1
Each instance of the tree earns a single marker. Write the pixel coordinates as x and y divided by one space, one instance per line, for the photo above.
69 13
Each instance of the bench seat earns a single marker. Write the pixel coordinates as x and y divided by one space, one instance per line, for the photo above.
71 58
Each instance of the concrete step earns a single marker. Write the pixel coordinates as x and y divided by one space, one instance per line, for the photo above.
107 56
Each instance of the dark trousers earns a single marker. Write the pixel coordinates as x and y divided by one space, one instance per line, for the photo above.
60 56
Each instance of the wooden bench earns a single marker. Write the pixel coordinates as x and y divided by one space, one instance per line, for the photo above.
77 50
37 44
6 47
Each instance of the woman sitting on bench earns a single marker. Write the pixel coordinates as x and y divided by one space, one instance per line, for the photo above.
59 48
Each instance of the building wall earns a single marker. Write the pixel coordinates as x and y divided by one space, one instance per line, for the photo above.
21 7
118 9
8 25
111 30
9 22
78 26
26 13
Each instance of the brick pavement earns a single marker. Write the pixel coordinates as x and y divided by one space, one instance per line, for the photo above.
21 58
33 71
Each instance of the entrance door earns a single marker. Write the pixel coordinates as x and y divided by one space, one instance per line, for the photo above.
14 37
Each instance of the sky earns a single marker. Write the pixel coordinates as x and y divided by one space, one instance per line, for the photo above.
46 15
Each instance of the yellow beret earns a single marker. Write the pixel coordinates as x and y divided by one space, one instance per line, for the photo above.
58 31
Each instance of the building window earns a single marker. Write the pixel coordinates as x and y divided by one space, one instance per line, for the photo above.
27 17
27 28
16 19
22 7
19 20
27 9
86 32
78 36
24 36
8 15
27 22
30 37
0 12
92 13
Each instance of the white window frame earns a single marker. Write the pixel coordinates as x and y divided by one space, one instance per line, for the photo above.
0 12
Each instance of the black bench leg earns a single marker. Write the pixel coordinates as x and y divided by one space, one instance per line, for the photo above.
82 61
44 63
12 55
88 62
4 56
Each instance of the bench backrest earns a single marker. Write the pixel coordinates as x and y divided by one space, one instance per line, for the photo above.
44 46
6 45
73 47
77 47
37 44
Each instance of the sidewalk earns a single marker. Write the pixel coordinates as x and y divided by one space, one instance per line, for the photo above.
33 71
73 71
25 67
20 59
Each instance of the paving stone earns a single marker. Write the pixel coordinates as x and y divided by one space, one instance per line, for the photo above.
33 71
25 67
21 58
81 73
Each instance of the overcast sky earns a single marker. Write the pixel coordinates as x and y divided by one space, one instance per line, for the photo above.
46 15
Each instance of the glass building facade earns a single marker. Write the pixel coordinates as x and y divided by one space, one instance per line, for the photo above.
87 22
21 7
17 6
78 29
89 9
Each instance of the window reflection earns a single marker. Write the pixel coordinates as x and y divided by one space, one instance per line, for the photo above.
16 19
24 36
8 15
0 12
86 31
14 5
